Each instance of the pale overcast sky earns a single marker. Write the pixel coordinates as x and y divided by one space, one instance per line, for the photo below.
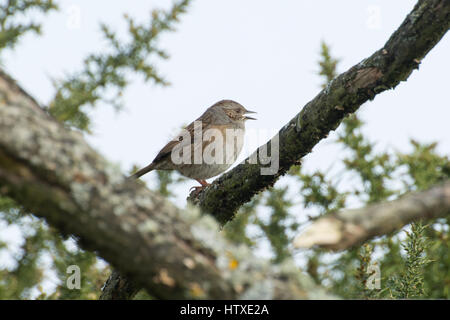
261 53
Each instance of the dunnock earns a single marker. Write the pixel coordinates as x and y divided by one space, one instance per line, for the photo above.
207 147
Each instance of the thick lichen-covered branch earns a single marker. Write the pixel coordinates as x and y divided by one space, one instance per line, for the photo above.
104 73
347 228
385 69
53 173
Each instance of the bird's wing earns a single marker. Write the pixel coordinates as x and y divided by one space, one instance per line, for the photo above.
166 151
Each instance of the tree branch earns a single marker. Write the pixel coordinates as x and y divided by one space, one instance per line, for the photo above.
53 173
174 254
403 52
385 69
347 228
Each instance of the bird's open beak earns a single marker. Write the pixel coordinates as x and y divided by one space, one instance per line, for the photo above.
249 118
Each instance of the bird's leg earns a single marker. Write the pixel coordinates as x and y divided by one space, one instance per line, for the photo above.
203 183
198 189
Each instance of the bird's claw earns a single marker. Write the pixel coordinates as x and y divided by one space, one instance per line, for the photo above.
197 189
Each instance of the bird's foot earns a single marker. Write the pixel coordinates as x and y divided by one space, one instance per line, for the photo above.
199 189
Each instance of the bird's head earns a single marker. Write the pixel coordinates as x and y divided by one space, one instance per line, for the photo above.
235 111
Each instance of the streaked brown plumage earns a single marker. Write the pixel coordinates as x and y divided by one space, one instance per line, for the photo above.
223 117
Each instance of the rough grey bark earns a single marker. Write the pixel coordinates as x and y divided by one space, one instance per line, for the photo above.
422 29
119 287
347 228
54 174
385 69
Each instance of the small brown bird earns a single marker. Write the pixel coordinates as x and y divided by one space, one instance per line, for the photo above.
206 147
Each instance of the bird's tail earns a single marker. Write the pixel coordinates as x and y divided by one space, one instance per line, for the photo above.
143 171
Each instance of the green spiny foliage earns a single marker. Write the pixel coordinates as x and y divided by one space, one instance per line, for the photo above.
376 173
105 74
424 165
65 253
319 192
166 180
347 274
280 221
18 282
41 243
10 29
410 283
365 272
237 229
374 170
